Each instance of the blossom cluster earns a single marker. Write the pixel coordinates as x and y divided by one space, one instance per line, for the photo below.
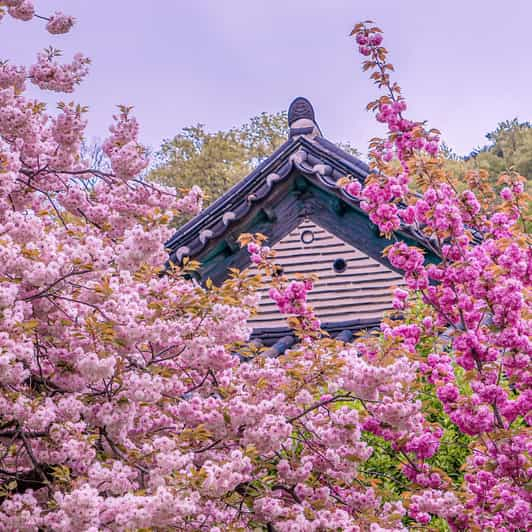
290 296
59 23
51 75
21 9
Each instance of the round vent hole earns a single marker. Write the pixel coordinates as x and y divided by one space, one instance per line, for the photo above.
339 265
307 237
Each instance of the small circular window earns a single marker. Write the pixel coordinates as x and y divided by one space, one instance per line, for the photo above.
307 237
339 265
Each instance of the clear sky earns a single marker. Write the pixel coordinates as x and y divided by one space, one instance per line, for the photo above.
464 65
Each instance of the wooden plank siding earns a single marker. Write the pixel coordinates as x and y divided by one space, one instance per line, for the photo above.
363 291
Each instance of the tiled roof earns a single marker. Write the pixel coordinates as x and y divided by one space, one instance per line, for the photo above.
317 157
362 291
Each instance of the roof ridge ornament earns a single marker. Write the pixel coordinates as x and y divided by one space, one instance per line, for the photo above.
300 108
302 120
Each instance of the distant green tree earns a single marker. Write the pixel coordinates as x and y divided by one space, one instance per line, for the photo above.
216 161
510 147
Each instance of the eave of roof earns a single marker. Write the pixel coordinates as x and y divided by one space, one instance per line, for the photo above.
269 336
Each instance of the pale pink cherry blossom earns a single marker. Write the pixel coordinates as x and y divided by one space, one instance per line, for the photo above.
59 23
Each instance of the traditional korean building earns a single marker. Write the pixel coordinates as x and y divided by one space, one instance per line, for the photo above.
293 198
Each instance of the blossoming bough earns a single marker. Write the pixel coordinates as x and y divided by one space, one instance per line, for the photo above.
122 406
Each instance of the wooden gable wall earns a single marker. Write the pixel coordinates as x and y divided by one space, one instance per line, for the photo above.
361 292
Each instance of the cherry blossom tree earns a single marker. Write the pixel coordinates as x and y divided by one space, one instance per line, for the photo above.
479 293
131 397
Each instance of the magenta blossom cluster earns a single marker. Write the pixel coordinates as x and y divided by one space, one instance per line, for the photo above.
289 296
477 292
293 298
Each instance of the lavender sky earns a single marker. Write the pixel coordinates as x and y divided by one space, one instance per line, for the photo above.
464 65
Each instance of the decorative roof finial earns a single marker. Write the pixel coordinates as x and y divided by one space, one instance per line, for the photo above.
301 119
300 108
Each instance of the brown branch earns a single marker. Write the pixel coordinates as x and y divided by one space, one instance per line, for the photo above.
290 491
42 292
120 454
320 404
91 305
18 432
34 461
88 220
209 447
